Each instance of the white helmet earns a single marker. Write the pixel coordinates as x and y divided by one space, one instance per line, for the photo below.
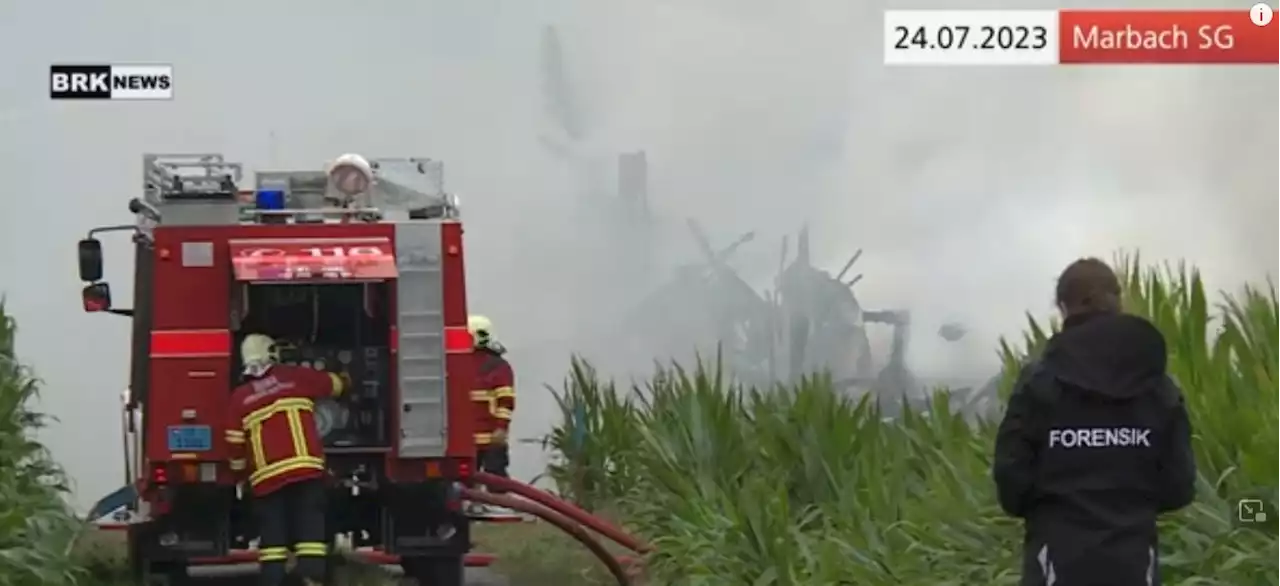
259 353
481 329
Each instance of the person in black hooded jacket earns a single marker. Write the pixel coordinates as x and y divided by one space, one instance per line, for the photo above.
1095 443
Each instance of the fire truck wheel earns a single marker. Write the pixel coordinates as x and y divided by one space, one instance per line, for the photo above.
435 571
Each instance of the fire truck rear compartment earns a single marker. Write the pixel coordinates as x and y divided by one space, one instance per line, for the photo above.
345 328
341 328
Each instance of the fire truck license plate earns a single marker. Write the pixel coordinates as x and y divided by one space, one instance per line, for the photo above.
190 438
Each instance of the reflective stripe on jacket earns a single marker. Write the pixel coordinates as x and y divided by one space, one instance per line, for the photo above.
271 429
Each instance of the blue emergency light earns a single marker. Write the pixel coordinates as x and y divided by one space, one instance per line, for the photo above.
269 199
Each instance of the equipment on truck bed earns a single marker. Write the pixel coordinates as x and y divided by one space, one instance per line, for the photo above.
357 268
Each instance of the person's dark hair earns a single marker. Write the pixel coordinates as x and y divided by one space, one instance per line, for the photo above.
1088 285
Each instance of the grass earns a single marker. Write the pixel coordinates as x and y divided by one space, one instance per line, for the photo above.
803 486
538 553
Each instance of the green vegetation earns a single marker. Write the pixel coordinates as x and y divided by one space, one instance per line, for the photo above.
37 528
802 486
796 485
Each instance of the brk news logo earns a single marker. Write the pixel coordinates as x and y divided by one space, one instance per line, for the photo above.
111 82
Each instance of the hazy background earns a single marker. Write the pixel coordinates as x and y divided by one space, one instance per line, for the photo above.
968 188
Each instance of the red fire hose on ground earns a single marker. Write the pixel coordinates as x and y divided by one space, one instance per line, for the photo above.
566 509
561 521
566 516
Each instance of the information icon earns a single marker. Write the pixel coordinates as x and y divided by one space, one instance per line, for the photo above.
1251 511
1261 14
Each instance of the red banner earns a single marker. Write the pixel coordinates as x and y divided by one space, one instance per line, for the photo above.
1243 36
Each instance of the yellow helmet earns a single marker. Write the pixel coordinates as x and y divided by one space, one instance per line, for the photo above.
258 352
481 329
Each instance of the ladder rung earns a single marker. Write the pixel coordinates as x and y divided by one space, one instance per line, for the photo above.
421 313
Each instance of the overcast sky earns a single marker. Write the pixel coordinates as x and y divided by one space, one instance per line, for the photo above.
968 188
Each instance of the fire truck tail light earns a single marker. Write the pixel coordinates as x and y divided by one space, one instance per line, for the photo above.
433 469
186 472
464 469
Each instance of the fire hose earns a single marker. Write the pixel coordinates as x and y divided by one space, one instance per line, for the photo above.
566 509
555 518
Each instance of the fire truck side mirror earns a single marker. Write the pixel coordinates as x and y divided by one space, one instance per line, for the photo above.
90 260
96 297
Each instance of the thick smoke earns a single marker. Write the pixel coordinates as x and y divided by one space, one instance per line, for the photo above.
968 188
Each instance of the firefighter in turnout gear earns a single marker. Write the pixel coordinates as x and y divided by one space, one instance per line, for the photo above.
493 399
274 444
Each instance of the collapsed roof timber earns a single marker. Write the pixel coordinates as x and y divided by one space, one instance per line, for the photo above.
809 321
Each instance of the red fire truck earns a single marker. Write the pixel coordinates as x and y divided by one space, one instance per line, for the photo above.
354 269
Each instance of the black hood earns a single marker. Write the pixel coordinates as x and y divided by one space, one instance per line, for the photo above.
1116 355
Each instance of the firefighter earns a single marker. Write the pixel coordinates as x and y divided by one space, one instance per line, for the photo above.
1095 442
274 443
494 398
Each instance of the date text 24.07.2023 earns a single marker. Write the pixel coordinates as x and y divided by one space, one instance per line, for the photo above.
964 37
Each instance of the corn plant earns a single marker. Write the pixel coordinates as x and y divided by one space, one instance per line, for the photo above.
36 527
593 415
801 485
